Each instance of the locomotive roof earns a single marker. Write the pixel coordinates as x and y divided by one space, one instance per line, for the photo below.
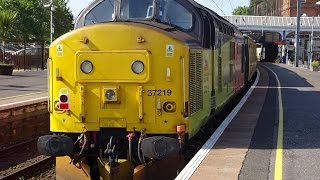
195 4
192 2
216 16
196 30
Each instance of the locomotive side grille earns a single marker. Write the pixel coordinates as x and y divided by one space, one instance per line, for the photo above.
196 88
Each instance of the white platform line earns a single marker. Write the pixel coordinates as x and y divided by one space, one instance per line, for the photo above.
35 100
22 95
193 164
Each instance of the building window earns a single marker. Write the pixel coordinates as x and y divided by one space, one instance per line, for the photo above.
303 1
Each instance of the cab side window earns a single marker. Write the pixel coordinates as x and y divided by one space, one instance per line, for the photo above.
174 13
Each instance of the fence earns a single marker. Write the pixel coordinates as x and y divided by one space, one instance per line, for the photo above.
25 56
29 62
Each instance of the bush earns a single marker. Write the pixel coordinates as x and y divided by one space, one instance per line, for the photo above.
315 64
6 69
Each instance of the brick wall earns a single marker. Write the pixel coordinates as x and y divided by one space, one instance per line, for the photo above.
22 122
289 8
286 8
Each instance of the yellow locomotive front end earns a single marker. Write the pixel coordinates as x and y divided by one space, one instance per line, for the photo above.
113 76
111 79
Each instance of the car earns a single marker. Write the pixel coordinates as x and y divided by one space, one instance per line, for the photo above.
7 50
31 51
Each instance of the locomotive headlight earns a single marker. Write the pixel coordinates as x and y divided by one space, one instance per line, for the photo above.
86 67
137 67
110 95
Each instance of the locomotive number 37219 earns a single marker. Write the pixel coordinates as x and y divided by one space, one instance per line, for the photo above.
158 92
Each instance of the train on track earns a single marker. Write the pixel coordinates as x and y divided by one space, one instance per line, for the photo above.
136 80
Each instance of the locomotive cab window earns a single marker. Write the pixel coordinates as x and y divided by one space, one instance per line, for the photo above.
103 12
136 9
173 13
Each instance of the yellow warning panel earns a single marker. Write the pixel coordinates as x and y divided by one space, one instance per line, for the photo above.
59 50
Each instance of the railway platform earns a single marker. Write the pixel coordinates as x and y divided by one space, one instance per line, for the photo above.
23 88
274 135
23 83
23 106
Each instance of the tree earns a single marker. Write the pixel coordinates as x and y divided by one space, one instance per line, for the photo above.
7 18
241 10
62 18
33 19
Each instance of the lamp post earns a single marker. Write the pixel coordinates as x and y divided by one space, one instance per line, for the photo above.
311 44
264 20
51 18
262 28
297 47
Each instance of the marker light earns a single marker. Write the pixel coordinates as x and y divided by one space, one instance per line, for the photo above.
86 67
110 95
137 67
64 99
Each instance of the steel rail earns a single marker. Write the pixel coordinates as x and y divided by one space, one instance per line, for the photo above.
26 171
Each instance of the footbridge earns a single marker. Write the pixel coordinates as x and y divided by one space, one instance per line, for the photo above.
274 23
270 29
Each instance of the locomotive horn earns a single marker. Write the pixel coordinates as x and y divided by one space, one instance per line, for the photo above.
159 147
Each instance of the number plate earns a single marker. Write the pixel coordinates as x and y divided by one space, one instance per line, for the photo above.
159 92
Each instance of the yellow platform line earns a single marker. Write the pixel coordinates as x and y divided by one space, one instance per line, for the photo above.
279 152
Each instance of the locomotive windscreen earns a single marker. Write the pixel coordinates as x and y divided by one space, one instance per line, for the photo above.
136 9
103 12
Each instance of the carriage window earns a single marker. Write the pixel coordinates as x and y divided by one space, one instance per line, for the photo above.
136 9
103 12
172 12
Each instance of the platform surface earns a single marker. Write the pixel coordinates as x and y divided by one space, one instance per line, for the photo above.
249 147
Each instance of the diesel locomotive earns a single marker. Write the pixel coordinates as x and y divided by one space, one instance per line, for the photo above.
136 80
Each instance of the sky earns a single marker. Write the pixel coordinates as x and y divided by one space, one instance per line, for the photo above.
222 7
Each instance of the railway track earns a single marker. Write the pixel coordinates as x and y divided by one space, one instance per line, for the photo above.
22 160
14 148
31 169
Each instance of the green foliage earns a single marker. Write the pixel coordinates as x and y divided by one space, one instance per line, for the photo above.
62 18
7 18
33 19
252 5
6 65
315 64
241 10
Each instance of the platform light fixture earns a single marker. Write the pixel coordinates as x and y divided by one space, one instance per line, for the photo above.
297 34
311 43
51 6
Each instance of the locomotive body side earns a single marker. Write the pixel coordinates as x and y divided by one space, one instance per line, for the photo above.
250 58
